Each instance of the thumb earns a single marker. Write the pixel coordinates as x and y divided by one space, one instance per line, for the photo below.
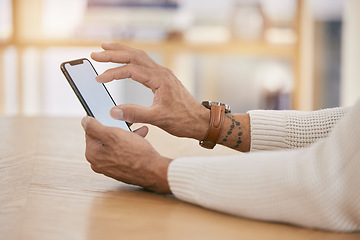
132 113
93 128
143 131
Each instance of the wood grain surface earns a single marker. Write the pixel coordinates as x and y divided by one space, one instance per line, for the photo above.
48 191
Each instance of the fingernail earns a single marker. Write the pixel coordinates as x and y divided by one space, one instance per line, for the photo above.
117 114
94 53
85 121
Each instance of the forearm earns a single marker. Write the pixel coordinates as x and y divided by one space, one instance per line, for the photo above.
283 186
313 187
275 130
236 132
269 187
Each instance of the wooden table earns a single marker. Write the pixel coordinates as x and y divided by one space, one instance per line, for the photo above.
48 191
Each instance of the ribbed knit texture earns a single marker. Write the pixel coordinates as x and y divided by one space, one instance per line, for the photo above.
274 130
316 187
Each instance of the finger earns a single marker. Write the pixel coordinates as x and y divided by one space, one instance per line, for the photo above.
93 146
90 141
143 131
95 169
120 53
122 72
94 129
115 56
137 57
133 113
115 46
137 73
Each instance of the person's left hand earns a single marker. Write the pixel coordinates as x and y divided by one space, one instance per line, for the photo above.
125 156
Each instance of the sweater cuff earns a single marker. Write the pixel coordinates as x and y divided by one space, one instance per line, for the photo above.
182 174
268 130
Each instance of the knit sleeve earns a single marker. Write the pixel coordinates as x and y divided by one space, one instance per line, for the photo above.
316 187
274 130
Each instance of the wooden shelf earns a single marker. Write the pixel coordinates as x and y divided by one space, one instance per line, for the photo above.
23 38
234 47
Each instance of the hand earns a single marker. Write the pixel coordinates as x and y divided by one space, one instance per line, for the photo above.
125 156
174 109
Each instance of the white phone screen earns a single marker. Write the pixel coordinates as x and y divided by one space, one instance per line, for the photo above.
95 94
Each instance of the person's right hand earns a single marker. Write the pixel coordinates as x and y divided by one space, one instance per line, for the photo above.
174 109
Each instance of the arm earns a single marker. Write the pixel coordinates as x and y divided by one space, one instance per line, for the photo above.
177 112
316 187
274 130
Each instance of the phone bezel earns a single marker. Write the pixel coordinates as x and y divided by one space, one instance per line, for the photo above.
76 90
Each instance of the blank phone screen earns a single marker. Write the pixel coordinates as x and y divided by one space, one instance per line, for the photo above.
94 94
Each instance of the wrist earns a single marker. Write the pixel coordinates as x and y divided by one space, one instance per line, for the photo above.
161 182
201 123
217 118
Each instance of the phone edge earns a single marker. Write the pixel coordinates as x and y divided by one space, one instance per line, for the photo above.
77 92
75 89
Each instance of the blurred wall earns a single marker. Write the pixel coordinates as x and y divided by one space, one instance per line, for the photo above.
350 84
260 54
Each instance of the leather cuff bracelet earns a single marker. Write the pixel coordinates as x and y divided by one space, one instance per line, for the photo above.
217 118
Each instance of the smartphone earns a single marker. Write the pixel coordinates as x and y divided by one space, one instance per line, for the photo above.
93 96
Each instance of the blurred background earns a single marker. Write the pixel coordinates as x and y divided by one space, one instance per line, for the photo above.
250 54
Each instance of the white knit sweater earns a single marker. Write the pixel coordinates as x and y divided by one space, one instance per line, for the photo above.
316 184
